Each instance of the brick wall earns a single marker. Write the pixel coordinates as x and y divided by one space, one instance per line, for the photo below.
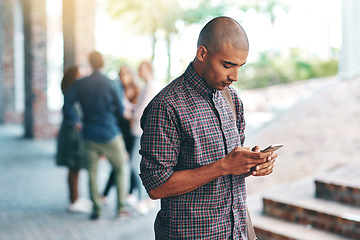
36 116
79 36
8 112
2 107
83 42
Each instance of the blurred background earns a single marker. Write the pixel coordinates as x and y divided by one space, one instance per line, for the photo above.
289 41
300 87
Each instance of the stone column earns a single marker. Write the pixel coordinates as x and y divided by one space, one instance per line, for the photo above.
78 28
2 92
349 66
36 112
7 76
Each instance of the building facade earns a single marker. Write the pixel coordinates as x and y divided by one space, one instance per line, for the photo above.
23 56
23 59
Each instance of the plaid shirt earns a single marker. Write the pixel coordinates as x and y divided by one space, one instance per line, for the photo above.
186 126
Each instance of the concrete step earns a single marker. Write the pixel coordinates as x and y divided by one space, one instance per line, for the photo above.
296 203
268 228
341 185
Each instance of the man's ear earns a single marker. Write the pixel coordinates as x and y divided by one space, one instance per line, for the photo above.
201 53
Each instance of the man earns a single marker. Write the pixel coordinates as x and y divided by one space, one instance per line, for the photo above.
100 100
191 147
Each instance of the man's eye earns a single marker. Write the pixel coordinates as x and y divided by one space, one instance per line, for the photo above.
227 66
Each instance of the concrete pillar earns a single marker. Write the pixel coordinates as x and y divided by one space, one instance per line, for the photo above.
36 112
349 65
78 28
7 76
2 92
29 64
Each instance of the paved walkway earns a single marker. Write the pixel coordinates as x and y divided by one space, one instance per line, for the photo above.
319 131
33 197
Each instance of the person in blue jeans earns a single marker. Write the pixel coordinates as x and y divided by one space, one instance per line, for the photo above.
101 102
127 82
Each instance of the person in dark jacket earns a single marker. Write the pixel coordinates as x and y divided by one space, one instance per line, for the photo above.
101 102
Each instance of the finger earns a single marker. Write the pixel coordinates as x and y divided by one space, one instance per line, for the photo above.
265 169
259 155
256 149
254 163
268 170
263 172
274 155
260 167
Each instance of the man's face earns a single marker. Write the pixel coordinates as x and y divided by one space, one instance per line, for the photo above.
222 67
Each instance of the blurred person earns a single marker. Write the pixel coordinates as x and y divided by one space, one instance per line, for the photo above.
193 157
127 81
70 147
101 103
149 91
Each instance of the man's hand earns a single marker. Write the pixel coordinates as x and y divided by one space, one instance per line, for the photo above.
264 168
241 160
238 161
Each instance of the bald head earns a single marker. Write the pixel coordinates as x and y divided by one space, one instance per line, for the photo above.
220 31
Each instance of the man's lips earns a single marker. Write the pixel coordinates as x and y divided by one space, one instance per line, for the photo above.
227 83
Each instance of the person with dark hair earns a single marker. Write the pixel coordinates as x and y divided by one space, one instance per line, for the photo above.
193 157
70 147
101 102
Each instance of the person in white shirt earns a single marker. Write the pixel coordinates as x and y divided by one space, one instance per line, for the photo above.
148 92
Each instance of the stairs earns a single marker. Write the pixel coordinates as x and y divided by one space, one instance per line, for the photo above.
327 207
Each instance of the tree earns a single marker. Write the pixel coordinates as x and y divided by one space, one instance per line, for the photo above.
265 7
147 17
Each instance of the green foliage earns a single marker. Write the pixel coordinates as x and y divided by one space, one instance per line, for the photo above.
113 64
147 17
274 69
268 8
204 10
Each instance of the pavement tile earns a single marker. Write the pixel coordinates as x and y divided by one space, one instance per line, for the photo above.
34 201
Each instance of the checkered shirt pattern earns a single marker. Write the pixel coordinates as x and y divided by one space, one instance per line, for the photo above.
186 126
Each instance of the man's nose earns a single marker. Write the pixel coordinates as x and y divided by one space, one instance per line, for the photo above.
234 74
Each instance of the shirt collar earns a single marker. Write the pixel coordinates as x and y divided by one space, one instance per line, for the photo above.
198 83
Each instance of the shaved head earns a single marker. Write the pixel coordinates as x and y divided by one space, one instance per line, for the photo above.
220 31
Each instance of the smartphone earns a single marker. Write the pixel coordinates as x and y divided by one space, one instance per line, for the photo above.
272 148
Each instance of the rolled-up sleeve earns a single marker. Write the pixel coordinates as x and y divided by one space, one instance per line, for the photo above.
160 144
